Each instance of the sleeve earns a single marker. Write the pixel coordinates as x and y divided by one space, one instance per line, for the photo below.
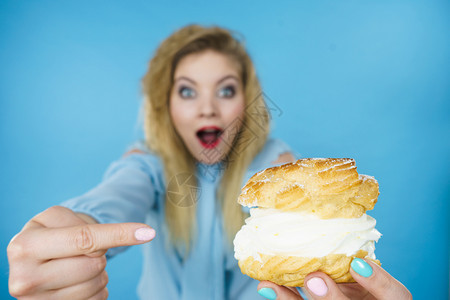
265 158
128 191
242 287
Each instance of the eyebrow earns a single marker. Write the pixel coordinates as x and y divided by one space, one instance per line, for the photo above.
193 81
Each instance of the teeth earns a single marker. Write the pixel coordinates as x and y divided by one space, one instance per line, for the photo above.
210 130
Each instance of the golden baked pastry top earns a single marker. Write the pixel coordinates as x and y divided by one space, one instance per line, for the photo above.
327 187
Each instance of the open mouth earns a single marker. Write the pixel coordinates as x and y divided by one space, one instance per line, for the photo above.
209 136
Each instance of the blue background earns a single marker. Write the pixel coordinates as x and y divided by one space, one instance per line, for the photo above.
367 80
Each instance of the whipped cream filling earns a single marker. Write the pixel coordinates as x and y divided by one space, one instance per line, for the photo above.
274 232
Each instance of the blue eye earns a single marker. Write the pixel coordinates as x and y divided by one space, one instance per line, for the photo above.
227 92
186 92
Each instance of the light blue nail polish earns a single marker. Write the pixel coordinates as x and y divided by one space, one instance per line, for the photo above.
302 293
268 293
361 267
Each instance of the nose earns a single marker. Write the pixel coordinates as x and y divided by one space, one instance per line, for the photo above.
208 107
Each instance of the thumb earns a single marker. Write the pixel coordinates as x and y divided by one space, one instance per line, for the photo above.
321 286
272 291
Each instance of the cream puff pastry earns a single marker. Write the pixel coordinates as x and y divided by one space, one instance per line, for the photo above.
307 216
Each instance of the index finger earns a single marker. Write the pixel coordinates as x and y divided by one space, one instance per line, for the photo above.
377 281
86 239
270 290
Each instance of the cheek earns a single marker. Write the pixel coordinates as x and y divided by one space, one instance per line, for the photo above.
177 119
178 114
236 111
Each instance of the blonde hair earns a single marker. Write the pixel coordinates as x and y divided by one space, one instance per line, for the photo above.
163 139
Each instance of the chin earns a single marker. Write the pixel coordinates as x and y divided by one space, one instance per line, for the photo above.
206 161
210 155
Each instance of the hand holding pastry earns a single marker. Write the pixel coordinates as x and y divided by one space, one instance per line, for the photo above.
372 282
310 229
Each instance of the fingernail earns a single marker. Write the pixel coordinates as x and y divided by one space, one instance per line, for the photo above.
301 292
317 286
361 267
267 293
144 234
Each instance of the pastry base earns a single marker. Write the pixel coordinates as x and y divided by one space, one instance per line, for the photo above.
292 270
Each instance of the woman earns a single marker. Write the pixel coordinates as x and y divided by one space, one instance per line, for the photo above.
206 128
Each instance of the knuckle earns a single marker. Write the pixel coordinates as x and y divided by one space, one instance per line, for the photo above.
99 264
17 249
121 235
51 212
19 287
100 281
84 239
384 283
99 296
102 295
53 209
105 279
102 262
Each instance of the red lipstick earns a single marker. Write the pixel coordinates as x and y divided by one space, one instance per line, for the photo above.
209 136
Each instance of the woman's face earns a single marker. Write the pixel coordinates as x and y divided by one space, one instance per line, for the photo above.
207 104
